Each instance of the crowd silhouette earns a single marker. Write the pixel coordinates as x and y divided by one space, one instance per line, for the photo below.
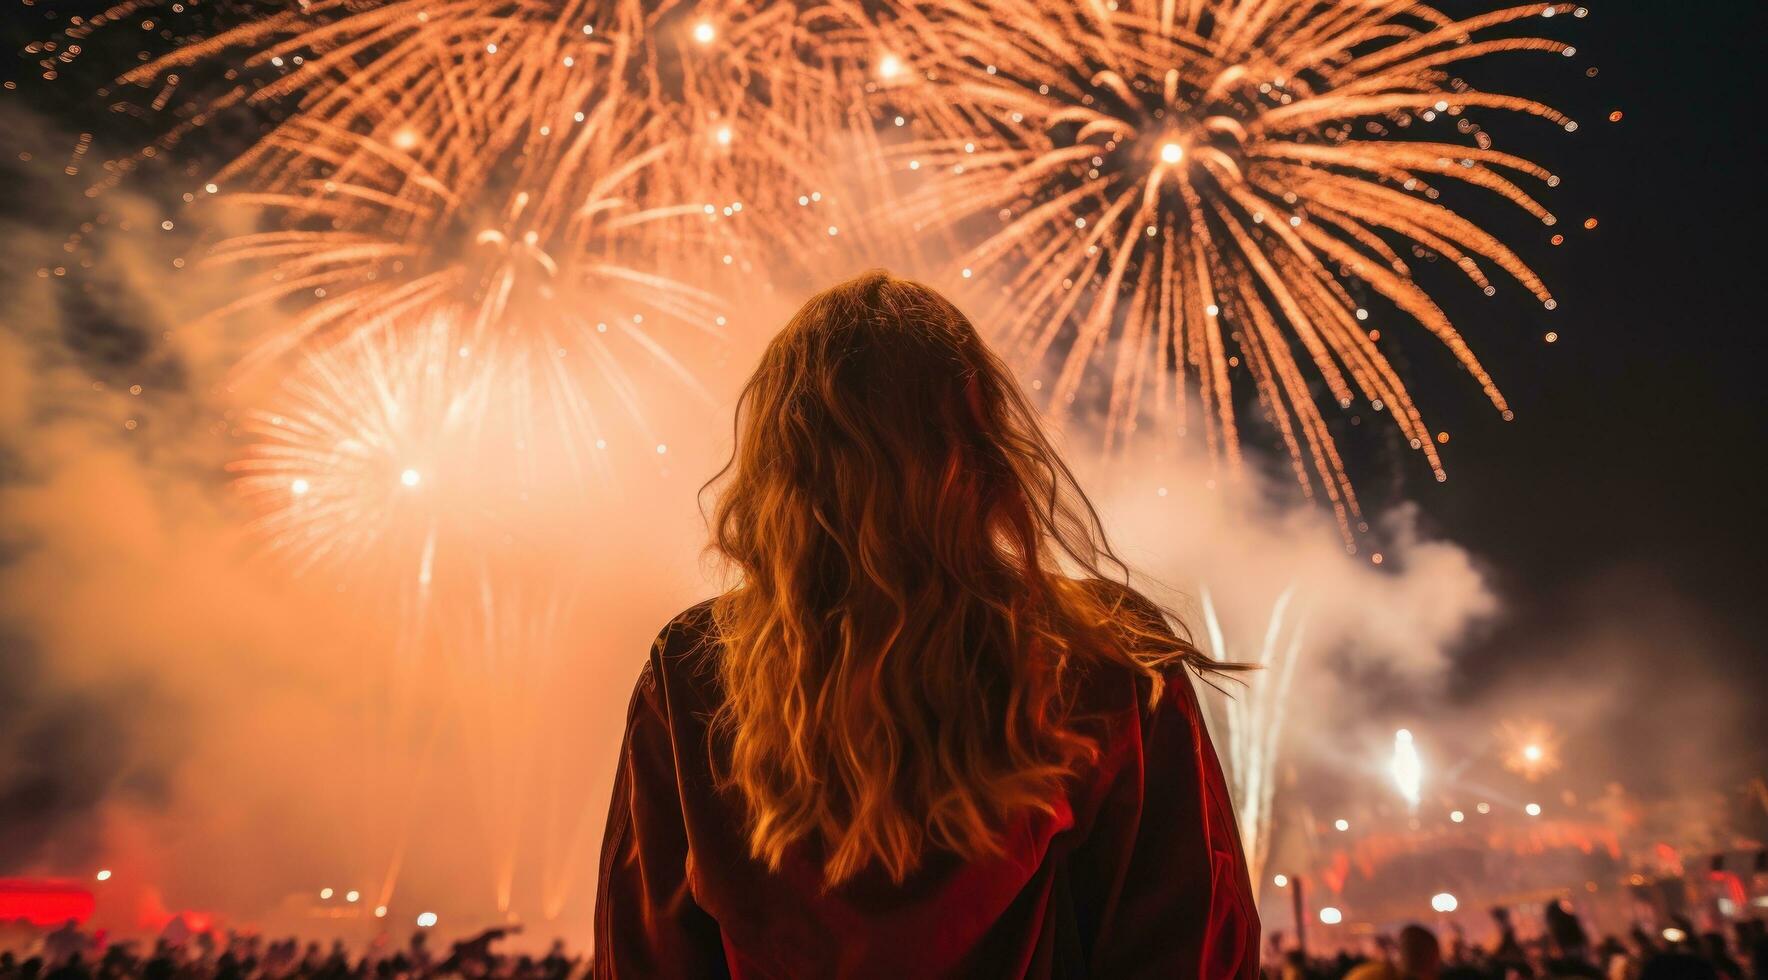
1562 951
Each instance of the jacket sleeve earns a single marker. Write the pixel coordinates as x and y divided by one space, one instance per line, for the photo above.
647 924
1182 905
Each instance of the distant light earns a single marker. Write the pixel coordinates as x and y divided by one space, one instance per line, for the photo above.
889 66
1281 881
299 486
1484 808
704 33
1457 816
325 893
723 135
1408 768
1171 153
426 919
103 874
662 448
1341 824
1444 902
410 478
380 911
405 138
1674 935
1532 752
1331 916
352 895
1533 809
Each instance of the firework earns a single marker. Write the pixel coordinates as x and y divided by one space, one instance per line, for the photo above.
1530 749
1254 720
1211 185
1407 768
772 99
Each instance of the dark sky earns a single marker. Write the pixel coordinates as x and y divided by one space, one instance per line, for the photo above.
1636 449
1629 475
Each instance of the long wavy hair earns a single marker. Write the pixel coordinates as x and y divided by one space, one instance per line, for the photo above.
915 602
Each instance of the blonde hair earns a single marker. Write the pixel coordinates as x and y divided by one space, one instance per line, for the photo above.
899 662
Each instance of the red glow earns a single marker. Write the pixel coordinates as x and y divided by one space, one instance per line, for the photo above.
44 901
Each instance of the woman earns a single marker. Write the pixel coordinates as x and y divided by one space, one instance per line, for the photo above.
908 744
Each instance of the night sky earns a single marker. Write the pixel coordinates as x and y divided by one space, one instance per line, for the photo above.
1627 483
1636 454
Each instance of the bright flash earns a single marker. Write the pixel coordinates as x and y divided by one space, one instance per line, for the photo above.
889 66
723 135
1171 153
703 32
410 478
1530 749
1444 902
1408 769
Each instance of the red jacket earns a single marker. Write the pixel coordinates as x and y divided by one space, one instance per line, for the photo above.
1138 874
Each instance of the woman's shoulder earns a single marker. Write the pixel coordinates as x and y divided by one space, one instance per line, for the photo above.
686 631
681 662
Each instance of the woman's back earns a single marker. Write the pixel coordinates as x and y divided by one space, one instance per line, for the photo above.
1138 872
906 743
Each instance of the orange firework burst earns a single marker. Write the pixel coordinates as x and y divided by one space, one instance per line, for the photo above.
1209 183
772 98
450 160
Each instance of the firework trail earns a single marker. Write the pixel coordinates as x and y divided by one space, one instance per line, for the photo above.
1254 720
435 485
1210 184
